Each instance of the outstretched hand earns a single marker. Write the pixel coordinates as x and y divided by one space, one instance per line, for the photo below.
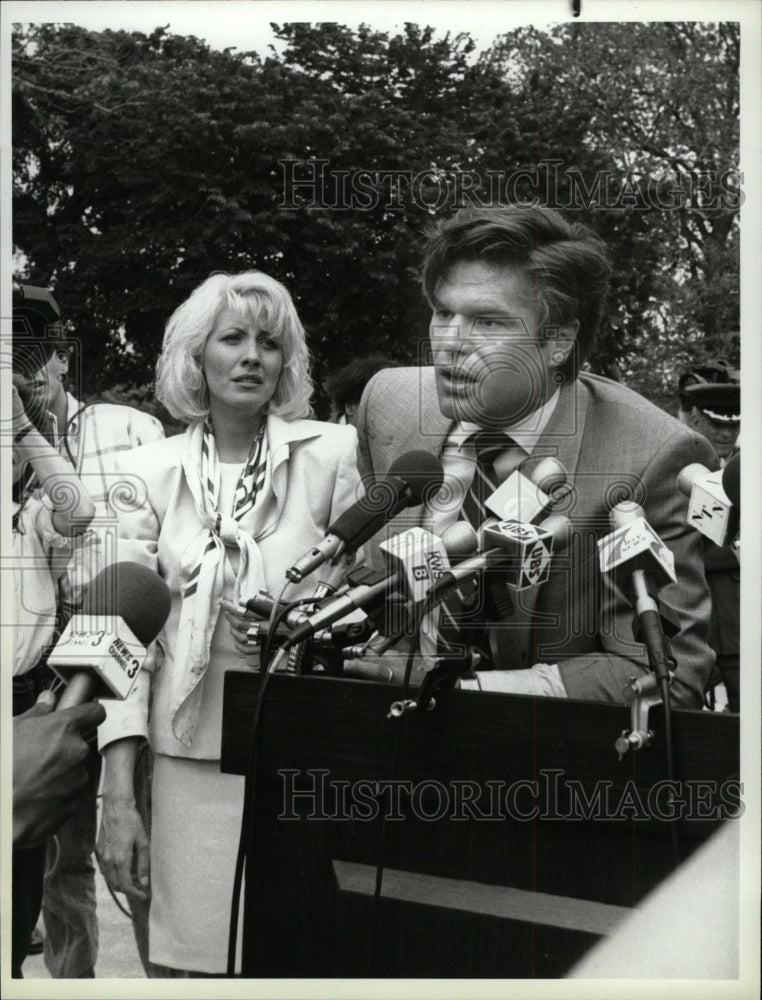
49 773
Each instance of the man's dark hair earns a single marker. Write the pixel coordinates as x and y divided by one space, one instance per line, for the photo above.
347 384
566 262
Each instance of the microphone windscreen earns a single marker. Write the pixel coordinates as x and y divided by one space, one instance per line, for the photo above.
560 528
625 513
411 480
421 471
481 540
134 593
689 476
363 519
460 541
546 472
731 479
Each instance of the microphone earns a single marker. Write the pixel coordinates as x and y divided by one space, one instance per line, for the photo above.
527 565
526 496
638 563
633 557
526 548
460 541
414 559
262 604
524 551
103 647
411 479
731 480
335 636
529 491
341 636
710 509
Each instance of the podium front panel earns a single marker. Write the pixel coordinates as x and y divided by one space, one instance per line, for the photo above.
510 833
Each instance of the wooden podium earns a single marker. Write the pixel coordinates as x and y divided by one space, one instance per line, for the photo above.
514 837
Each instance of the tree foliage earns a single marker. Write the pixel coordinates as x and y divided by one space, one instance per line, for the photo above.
661 109
144 163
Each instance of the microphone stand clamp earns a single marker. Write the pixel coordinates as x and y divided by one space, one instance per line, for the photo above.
642 693
444 675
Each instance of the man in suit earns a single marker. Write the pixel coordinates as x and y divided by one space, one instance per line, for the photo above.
517 295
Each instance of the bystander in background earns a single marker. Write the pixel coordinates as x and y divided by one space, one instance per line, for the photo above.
345 387
88 437
710 403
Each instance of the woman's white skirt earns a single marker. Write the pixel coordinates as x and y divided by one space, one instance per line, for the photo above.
195 826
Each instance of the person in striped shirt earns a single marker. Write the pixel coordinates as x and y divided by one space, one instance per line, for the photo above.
89 436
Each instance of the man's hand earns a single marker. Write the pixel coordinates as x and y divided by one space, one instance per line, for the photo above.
20 400
49 773
17 388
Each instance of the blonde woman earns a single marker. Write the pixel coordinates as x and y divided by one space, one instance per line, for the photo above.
221 512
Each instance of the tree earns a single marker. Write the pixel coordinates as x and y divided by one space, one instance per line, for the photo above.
143 163
123 177
660 103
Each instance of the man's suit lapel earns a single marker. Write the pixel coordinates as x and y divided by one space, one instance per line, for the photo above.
399 426
562 437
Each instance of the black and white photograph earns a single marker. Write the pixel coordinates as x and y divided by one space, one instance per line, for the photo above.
375 613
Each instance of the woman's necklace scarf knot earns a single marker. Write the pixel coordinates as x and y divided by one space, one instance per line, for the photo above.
203 590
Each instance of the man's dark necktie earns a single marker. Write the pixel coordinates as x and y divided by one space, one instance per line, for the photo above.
487 445
465 616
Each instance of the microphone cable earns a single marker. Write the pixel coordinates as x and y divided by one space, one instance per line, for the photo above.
662 665
418 612
382 835
667 701
278 613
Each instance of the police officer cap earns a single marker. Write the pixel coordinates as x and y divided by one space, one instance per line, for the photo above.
718 401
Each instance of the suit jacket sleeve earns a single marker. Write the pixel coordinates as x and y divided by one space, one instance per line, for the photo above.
603 676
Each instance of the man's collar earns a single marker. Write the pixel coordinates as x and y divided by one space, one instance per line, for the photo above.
525 432
70 425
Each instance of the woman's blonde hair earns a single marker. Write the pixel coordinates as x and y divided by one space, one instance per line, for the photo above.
180 382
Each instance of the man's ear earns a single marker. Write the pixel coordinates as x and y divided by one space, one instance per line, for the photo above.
563 339
694 418
63 356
